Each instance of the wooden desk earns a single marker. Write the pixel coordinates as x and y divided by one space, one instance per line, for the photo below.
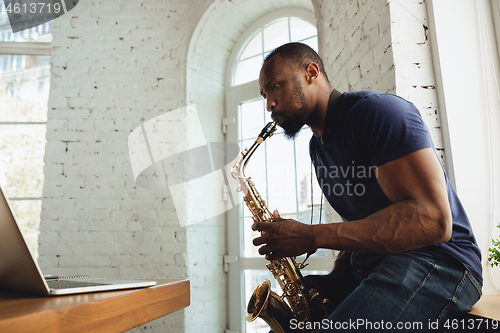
111 311
488 306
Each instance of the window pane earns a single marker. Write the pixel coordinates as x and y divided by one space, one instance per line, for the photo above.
254 47
276 34
281 175
273 35
300 29
28 217
304 171
312 42
289 216
304 176
24 91
250 250
256 170
39 33
21 159
248 70
267 118
252 118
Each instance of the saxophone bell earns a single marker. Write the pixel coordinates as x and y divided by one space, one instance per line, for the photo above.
267 305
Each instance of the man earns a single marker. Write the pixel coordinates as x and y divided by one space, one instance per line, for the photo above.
411 241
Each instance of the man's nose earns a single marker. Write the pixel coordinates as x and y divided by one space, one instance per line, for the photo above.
270 104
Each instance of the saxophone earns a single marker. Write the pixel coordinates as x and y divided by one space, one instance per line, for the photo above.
299 302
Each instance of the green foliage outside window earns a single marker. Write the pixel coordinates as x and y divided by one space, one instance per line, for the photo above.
494 257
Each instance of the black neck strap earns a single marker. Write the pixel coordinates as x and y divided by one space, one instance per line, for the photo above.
332 105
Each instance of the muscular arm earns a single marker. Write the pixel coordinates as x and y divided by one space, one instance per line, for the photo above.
419 216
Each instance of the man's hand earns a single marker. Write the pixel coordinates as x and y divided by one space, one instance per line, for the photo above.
284 238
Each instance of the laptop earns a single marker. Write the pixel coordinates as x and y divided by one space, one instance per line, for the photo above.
20 271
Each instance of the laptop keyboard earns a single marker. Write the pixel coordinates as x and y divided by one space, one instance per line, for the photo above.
66 284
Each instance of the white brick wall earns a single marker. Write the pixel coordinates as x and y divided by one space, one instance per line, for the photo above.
114 65
381 45
355 44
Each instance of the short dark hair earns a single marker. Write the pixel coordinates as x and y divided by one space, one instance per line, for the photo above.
301 54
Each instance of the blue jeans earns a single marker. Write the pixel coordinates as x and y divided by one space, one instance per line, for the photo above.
404 292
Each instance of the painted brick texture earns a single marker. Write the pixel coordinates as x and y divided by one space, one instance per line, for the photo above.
114 66
383 46
355 44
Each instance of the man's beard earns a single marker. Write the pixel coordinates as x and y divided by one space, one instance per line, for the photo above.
292 126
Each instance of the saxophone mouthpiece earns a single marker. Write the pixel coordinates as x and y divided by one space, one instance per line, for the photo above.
267 131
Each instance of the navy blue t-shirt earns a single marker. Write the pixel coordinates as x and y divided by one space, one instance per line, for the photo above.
364 130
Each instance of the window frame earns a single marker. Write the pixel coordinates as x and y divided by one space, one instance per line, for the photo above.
26 48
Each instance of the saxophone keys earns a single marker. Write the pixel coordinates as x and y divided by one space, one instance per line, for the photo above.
271 268
290 289
275 268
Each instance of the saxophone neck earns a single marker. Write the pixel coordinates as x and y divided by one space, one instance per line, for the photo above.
238 168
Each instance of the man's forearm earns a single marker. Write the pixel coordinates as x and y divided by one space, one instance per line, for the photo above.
405 225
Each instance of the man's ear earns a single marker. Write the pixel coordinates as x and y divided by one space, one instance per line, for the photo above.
312 71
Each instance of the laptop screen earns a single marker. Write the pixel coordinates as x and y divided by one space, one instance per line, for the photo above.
18 268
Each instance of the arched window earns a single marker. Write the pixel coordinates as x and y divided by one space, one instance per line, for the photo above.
280 169
266 39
